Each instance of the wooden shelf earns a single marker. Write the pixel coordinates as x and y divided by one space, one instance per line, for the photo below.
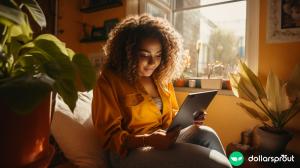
101 6
92 40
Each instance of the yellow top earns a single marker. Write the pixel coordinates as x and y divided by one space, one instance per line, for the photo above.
120 109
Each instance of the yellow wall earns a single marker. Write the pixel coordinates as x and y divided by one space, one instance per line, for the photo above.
71 19
280 57
223 114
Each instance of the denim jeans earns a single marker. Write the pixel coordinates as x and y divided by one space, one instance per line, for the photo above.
196 147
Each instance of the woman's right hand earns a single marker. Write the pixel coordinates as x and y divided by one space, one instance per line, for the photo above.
161 139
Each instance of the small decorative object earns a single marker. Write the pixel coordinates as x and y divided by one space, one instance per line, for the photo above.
110 24
180 82
283 21
192 83
277 105
226 84
246 137
212 83
98 33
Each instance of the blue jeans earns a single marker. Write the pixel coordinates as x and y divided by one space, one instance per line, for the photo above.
196 147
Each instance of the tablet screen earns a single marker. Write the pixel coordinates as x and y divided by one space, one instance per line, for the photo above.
192 104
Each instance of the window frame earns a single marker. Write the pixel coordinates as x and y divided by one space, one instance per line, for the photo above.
135 7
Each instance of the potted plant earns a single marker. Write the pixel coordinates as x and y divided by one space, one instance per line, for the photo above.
274 107
182 81
30 68
210 83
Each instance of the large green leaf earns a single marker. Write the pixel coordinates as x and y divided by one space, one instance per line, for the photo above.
15 46
11 14
6 22
254 113
241 88
53 52
247 74
60 68
277 98
85 70
67 90
234 82
36 12
22 31
55 40
23 94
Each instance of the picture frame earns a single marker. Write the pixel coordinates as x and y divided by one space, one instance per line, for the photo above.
283 21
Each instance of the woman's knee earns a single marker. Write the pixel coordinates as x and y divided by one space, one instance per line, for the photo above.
207 131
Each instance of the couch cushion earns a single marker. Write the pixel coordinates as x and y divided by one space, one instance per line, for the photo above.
75 134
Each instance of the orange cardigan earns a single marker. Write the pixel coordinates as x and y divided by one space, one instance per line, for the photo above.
120 109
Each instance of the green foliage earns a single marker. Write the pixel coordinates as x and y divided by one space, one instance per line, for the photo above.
276 108
31 68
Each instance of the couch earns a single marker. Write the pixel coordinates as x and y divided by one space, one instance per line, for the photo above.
76 136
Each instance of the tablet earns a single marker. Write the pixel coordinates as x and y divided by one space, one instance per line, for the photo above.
193 103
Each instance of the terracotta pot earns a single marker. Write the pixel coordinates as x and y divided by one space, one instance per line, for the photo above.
270 142
24 140
227 84
179 82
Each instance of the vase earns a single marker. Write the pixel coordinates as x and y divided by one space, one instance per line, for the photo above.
270 142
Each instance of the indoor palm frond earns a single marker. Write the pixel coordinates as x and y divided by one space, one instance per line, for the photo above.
277 103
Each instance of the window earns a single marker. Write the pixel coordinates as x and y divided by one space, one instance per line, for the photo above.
214 32
158 8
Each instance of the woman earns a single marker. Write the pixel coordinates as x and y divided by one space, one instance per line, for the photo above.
134 101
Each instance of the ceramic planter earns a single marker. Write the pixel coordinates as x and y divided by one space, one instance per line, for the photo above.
211 83
269 142
24 140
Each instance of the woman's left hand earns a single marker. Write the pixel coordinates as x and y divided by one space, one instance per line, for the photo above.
200 117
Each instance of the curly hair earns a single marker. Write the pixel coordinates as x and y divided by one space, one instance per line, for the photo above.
123 43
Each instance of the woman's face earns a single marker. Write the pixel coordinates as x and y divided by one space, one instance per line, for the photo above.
149 57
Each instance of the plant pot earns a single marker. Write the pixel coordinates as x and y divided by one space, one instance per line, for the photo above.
24 140
226 84
270 142
211 83
180 82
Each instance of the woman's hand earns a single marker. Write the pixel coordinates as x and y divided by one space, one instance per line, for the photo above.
161 139
200 117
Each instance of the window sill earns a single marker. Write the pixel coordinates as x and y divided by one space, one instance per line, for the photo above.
192 90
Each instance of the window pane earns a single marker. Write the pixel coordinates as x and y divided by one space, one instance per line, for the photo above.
191 3
157 11
167 2
186 3
214 37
